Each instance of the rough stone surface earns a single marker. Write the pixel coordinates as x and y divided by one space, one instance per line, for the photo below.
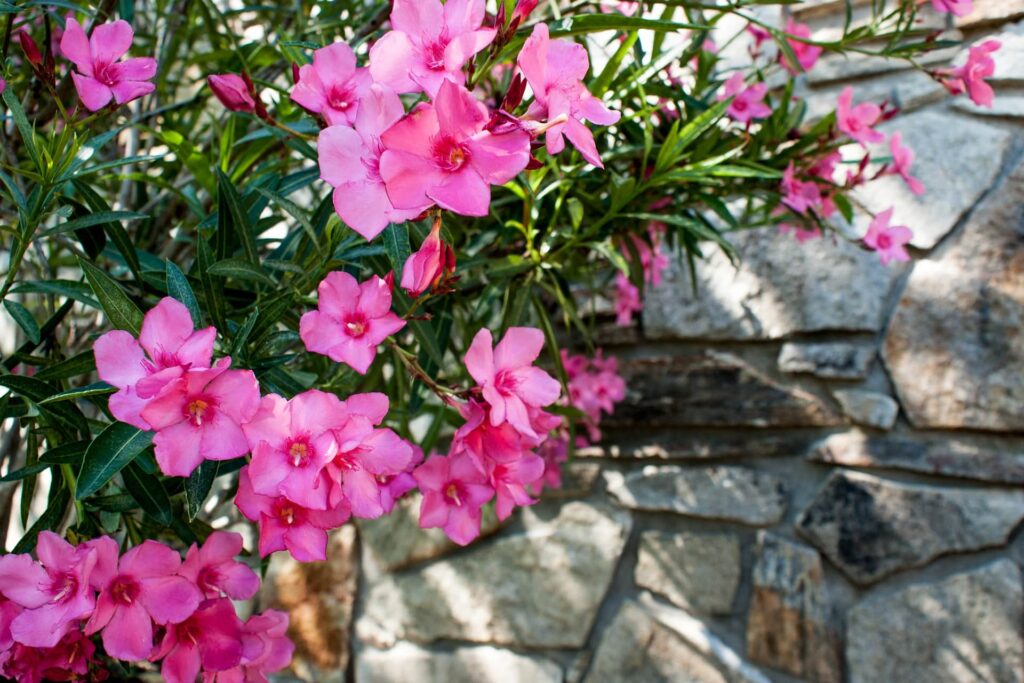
396 540
991 11
554 572
685 446
1010 65
777 289
790 625
578 479
319 598
963 629
475 664
871 527
664 647
831 360
955 346
837 67
696 571
1004 105
713 390
733 493
868 408
954 182
943 456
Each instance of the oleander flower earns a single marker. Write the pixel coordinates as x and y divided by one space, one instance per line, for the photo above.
101 76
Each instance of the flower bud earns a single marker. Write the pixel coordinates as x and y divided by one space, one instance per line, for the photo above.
426 268
232 91
32 53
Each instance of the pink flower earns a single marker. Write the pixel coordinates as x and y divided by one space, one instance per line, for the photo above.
510 481
957 8
806 54
555 70
856 121
484 441
798 195
902 158
209 640
232 91
351 320
141 588
213 568
424 269
508 380
429 45
100 75
199 417
748 103
888 240
71 659
350 163
627 300
454 490
292 442
802 234
285 525
167 347
442 153
759 35
971 76
332 85
266 648
54 591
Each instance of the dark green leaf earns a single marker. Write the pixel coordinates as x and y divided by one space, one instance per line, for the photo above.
396 244
79 364
66 454
100 218
37 391
148 492
179 288
114 448
231 215
49 520
24 318
240 269
198 485
27 471
121 310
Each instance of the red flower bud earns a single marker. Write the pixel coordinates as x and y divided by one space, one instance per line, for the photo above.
522 11
232 91
32 53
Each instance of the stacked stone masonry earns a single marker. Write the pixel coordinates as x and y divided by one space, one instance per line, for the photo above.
838 498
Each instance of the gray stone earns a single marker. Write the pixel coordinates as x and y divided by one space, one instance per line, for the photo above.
1009 59
696 571
790 624
943 456
777 289
733 493
871 527
1004 105
645 644
963 629
537 585
473 664
396 540
712 390
842 67
578 479
991 12
868 408
953 182
955 345
908 90
674 446
831 360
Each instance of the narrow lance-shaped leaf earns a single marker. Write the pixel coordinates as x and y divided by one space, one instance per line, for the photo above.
114 448
121 310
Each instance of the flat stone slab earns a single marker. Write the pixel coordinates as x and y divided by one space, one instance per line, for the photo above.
538 585
955 345
409 662
713 390
868 408
737 494
696 571
953 182
829 360
962 629
790 621
629 445
943 456
871 527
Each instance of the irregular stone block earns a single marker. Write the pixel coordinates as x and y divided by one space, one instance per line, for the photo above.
652 644
831 360
953 182
475 664
713 390
738 494
1005 105
871 527
963 629
942 456
955 345
790 625
696 571
628 445
536 586
777 288
868 408
991 12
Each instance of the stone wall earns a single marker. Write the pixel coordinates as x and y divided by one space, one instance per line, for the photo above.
816 476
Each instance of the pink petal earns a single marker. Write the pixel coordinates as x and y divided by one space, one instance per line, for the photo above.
378 110
464 193
433 511
374 297
110 41
595 111
433 474
338 294
197 351
94 95
390 60
406 177
177 449
166 409
533 59
222 439
583 140
363 494
306 543
53 551
119 359
458 113
309 91
22 580
335 63
270 423
137 69
463 47
238 393
41 627
414 132
239 582
74 44
129 635
182 664
480 357
340 151
150 559
364 206
536 387
127 407
318 332
463 525
165 327
423 18
373 406
355 353
519 347
461 16
170 599
126 91
499 158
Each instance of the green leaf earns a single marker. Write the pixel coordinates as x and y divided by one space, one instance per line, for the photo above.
24 127
114 448
37 391
179 288
27 471
231 215
590 23
66 454
240 269
92 219
79 364
67 288
94 389
396 244
198 485
50 519
121 310
148 492
24 318
118 235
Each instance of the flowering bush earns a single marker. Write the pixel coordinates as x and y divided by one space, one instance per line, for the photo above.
203 247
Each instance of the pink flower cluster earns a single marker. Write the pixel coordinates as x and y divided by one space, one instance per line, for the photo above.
970 77
652 262
387 165
147 605
595 386
492 454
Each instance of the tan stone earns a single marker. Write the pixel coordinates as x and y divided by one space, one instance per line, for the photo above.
696 571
